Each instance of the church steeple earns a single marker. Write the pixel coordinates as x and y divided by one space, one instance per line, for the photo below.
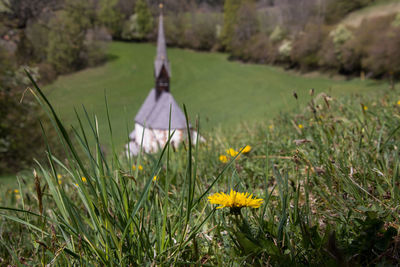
162 71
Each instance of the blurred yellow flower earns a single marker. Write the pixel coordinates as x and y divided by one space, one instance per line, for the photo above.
235 200
59 176
17 197
16 191
231 152
155 178
300 126
398 102
134 167
246 149
59 182
84 179
365 108
223 158
271 127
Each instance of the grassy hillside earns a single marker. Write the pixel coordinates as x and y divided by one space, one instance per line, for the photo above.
380 9
326 181
220 91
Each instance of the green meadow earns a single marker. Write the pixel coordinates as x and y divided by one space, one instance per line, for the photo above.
221 92
316 186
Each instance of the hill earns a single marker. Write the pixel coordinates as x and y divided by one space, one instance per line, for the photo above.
381 9
221 92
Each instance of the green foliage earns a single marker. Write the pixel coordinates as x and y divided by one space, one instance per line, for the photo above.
340 35
109 16
68 46
330 188
20 133
278 34
144 19
246 27
231 8
396 21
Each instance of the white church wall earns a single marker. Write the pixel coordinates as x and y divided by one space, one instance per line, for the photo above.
154 139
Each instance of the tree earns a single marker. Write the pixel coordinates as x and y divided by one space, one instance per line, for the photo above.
231 8
67 35
110 17
20 134
144 19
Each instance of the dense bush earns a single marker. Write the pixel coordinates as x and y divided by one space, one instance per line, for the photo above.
21 137
193 30
69 46
307 45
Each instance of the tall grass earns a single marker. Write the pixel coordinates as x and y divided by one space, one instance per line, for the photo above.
328 174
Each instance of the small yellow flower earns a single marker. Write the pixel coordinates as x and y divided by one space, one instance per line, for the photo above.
271 127
223 158
231 152
398 103
365 108
16 191
77 185
84 179
155 178
235 200
246 149
134 167
300 126
59 176
59 182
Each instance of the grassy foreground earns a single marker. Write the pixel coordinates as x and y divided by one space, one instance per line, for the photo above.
328 174
219 91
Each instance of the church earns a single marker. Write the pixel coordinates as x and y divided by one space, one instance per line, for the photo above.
152 121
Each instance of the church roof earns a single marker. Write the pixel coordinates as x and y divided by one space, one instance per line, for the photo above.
161 57
154 113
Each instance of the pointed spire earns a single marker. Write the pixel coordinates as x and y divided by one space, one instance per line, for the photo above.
161 57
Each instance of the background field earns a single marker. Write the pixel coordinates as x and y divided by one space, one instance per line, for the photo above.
221 92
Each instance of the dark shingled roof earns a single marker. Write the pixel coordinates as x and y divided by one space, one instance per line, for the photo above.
161 57
154 113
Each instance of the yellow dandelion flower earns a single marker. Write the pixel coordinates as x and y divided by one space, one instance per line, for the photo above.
76 185
365 108
59 182
231 152
16 191
140 167
155 178
398 102
246 149
84 179
235 200
300 126
223 158
59 176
